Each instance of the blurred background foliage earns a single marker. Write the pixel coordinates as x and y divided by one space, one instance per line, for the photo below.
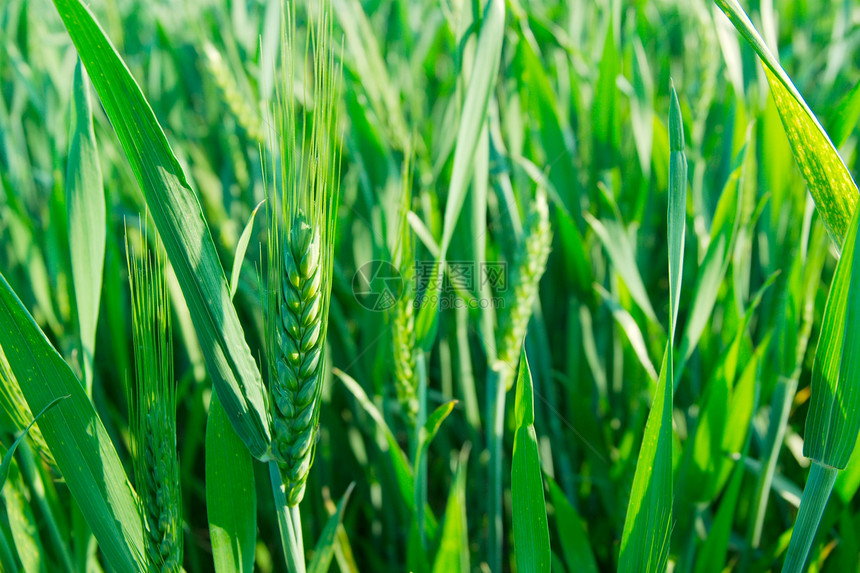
580 109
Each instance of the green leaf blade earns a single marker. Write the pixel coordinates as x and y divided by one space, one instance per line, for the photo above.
231 498
75 434
324 550
453 553
8 456
86 213
647 526
575 545
473 118
829 180
241 249
677 215
833 420
177 214
531 530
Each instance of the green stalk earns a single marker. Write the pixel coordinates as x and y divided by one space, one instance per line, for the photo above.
293 553
421 419
782 399
812 504
496 393
296 517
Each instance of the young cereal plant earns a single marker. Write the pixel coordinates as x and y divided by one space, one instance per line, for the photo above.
152 411
302 214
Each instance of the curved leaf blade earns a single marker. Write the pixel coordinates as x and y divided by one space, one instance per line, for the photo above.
183 230
75 435
829 181
8 456
324 550
241 249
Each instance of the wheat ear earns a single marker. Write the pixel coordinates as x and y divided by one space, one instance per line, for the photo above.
152 412
528 268
301 220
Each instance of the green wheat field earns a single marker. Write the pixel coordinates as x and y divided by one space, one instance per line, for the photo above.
429 286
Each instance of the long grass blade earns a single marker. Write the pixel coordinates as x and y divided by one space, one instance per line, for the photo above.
647 526
833 421
453 553
181 226
231 498
75 434
86 212
531 531
324 550
8 456
829 181
477 100
575 545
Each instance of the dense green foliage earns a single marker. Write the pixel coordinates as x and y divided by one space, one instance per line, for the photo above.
654 195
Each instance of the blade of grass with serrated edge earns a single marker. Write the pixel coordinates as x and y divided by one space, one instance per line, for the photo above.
85 199
480 88
75 434
829 181
647 526
528 506
231 498
181 226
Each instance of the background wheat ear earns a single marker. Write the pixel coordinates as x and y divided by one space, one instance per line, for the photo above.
403 314
152 409
526 271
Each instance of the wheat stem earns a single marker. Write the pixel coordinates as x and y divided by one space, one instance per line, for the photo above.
812 504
